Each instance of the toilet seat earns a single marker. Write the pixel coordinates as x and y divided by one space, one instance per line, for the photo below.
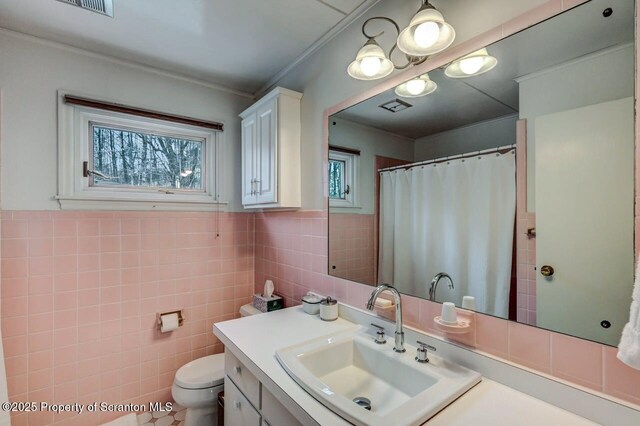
201 373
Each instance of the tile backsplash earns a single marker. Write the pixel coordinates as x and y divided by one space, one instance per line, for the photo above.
80 293
351 246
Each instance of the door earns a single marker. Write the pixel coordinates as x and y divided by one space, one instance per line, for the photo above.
249 141
267 153
584 171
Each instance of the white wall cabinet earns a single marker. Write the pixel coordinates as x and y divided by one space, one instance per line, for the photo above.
271 151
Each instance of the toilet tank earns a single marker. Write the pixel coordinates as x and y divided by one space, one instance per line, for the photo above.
248 309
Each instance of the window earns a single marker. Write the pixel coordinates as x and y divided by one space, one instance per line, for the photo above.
343 169
117 160
131 158
338 188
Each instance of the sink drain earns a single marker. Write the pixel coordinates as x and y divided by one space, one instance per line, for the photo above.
363 402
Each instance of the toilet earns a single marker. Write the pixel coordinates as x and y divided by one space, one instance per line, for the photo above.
197 384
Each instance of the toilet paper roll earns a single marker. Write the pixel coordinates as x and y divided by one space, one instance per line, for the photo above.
170 322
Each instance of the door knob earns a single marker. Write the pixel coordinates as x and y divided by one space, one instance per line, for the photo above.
547 270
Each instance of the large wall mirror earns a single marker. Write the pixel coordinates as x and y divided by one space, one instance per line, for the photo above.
514 177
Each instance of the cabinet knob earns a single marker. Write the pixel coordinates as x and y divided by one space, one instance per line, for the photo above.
238 369
547 270
237 404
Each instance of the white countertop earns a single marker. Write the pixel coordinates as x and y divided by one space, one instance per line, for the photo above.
254 340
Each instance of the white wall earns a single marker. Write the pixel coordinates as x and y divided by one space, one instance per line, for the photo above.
31 72
601 77
475 137
324 81
370 142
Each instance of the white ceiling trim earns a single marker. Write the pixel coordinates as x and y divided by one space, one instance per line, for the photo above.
329 35
583 58
129 64
477 123
330 6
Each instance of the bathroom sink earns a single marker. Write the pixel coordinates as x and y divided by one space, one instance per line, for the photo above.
348 371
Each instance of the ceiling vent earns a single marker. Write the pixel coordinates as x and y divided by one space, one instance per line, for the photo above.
395 105
104 7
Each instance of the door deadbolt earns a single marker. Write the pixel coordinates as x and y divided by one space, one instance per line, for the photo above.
547 270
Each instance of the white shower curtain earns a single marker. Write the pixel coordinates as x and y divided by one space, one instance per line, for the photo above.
456 218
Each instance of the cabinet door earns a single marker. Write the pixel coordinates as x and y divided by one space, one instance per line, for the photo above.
274 413
248 384
237 409
267 153
249 149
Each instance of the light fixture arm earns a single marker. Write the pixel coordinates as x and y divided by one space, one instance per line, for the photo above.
426 5
411 60
382 18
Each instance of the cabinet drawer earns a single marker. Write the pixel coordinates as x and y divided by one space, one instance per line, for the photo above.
274 413
243 378
237 410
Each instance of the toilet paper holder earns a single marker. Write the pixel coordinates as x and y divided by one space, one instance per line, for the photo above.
159 318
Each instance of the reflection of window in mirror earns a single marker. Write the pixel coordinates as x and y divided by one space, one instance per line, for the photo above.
343 172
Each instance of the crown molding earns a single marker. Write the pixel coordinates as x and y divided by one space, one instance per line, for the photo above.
327 37
583 58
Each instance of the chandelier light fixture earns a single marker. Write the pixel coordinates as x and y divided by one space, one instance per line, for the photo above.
470 65
427 34
416 87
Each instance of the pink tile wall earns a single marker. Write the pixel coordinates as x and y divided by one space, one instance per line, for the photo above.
525 244
526 269
291 249
351 253
80 292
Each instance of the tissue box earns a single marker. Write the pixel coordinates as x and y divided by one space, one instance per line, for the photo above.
267 304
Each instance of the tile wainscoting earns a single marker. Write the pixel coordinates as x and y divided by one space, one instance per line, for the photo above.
291 249
351 250
80 292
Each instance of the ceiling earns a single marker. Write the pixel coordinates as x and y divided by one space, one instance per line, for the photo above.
458 103
240 44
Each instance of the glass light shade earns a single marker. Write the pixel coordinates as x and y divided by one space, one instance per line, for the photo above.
470 65
416 87
427 34
371 63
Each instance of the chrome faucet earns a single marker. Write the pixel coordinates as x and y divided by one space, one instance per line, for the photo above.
399 346
434 284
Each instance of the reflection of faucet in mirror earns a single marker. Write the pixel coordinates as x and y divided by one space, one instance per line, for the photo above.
399 347
434 284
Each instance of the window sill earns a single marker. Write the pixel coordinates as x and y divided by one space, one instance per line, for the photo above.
111 203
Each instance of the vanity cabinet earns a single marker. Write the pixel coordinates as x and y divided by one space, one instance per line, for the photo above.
245 381
271 151
247 402
238 411
274 413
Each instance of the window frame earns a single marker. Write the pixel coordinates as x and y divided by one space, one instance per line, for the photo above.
74 191
351 169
